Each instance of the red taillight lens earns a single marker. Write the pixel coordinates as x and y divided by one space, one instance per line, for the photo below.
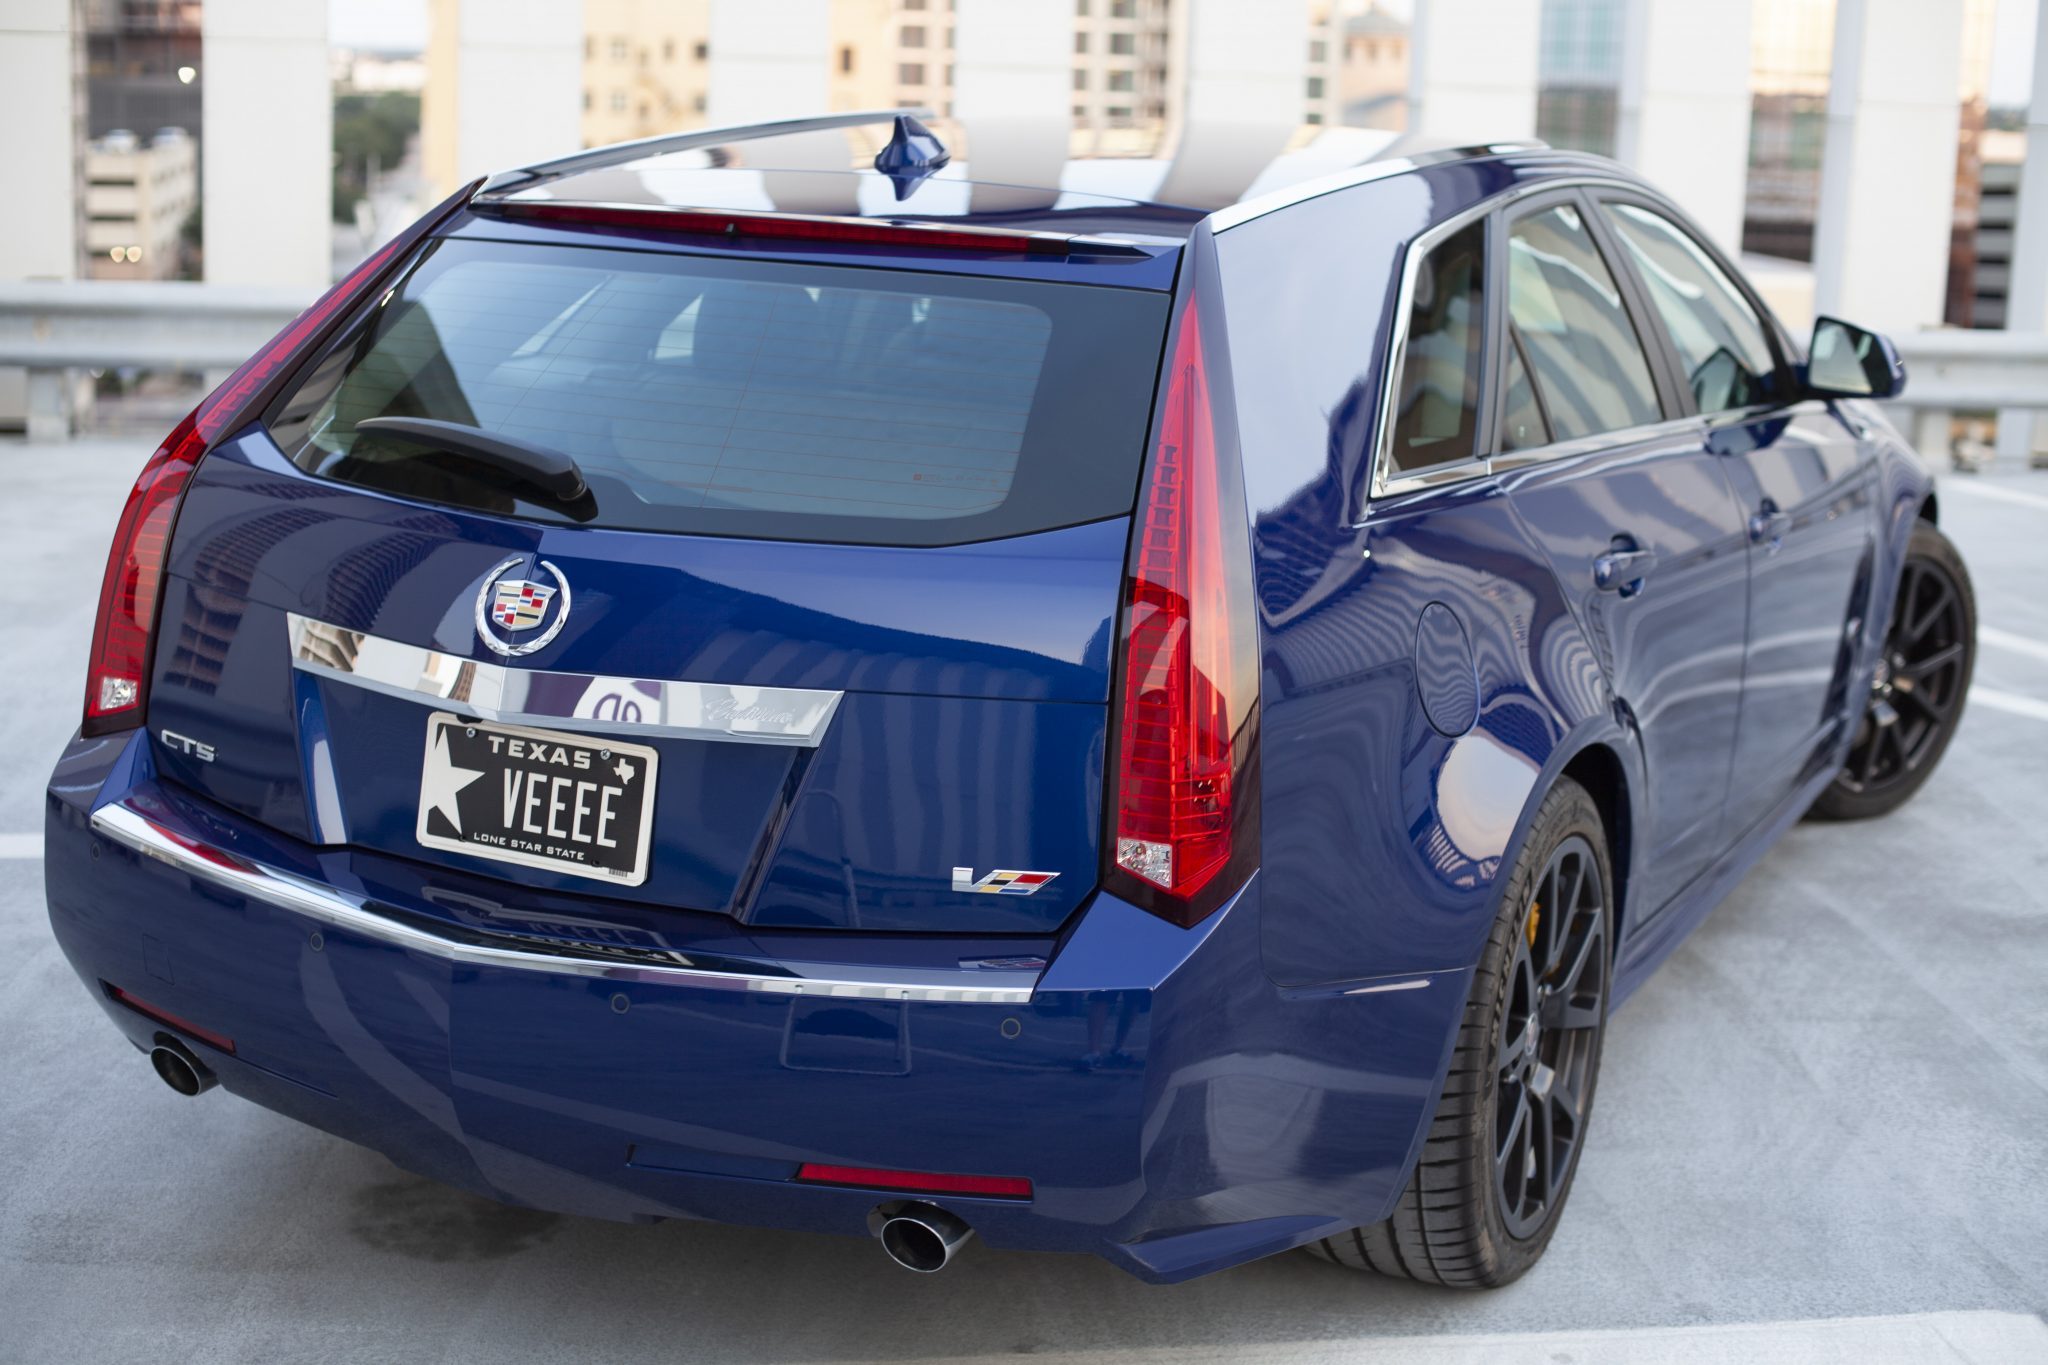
131 588
1188 679
220 1042
117 681
919 1182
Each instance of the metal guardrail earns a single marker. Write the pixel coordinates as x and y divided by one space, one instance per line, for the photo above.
49 327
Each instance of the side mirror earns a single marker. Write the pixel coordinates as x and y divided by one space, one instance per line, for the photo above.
1845 361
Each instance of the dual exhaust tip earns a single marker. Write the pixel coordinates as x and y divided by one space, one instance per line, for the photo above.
919 1236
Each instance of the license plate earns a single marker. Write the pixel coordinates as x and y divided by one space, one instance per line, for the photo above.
537 798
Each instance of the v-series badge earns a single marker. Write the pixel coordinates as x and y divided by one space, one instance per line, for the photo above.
1002 882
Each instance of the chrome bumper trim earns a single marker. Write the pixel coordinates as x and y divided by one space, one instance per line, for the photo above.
338 909
586 702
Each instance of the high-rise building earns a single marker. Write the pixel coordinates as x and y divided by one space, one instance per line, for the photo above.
646 67
137 197
142 65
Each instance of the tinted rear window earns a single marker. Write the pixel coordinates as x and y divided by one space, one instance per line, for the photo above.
750 398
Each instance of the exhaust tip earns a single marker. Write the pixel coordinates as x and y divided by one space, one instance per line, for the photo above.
179 1069
923 1237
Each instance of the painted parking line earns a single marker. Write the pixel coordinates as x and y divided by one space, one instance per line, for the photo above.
21 845
2017 644
1944 1338
2012 703
1997 492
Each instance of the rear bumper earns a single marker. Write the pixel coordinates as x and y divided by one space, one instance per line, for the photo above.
1174 1110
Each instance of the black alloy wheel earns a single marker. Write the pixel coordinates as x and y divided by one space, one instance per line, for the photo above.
1549 1037
1917 687
1497 1163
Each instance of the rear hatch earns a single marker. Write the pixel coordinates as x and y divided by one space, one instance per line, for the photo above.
822 639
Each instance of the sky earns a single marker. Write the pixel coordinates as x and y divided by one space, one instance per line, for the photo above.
402 24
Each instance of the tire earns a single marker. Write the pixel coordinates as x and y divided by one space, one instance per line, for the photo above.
1916 698
1461 1222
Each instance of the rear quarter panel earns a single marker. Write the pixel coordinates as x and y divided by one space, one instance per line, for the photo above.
1384 831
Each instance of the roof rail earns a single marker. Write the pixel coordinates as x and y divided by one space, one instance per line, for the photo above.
618 153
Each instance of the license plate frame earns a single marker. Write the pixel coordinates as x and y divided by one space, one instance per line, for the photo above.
487 826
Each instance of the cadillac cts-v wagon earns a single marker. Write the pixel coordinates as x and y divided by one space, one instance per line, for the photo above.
1133 708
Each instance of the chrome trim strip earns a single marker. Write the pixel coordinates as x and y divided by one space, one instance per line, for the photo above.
341 910
588 703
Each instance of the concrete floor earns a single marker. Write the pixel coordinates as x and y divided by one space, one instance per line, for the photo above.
1831 1104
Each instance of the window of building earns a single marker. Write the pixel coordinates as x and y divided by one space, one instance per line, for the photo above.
618 101
589 48
668 49
1123 80
1119 115
1080 78
1585 360
1123 9
910 73
698 102
846 58
1123 44
1318 50
912 35
1080 42
1315 87
621 49
1720 339
702 52
1436 410
913 4
1081 8
587 101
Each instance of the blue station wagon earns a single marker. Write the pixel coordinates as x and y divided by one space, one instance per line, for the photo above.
1133 708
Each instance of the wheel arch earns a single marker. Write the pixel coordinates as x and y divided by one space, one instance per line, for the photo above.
1598 769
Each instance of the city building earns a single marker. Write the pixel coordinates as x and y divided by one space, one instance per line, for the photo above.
1372 75
138 196
646 67
142 64
1578 74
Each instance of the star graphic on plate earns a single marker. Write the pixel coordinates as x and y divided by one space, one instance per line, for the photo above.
441 780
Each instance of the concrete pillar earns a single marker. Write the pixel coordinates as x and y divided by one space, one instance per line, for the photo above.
504 87
1684 115
2026 306
770 59
42 108
1888 169
1013 63
1472 69
267 155
1243 98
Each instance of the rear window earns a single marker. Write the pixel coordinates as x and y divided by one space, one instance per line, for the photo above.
744 398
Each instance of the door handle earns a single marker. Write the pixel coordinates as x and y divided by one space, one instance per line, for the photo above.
1767 526
1623 568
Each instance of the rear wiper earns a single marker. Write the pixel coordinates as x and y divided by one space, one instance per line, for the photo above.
551 471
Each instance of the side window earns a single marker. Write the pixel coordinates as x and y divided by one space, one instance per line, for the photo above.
1586 362
1720 340
1436 417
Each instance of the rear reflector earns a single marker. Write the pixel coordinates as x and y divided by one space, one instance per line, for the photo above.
916 1182
219 1042
788 226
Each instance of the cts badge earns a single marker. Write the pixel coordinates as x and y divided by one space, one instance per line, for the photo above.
507 608
1001 882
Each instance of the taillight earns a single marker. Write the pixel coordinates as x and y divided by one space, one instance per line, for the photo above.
853 231
117 680
131 589
1187 705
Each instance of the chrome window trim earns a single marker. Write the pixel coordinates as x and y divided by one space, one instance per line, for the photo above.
797 716
336 909
1690 424
1384 482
